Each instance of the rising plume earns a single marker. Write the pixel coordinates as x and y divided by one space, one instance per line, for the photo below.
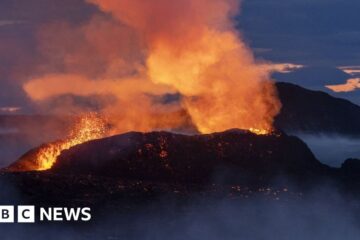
139 51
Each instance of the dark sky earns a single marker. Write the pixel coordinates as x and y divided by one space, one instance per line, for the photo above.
310 32
321 34
19 21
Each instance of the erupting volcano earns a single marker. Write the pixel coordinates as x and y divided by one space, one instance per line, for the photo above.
155 119
146 50
154 59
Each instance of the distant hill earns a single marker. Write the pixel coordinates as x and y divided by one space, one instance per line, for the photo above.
316 78
316 112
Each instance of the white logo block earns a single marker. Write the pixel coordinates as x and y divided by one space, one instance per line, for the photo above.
7 214
26 214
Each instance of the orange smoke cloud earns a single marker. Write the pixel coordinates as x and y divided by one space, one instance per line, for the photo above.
153 48
351 85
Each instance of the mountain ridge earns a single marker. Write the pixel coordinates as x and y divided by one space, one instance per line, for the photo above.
316 112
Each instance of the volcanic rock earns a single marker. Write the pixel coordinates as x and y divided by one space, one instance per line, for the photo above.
135 167
231 156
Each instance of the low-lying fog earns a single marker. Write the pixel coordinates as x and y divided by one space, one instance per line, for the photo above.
321 215
332 150
325 214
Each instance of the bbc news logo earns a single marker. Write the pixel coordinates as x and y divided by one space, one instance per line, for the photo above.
27 214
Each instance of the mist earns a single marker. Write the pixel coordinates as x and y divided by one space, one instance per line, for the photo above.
320 214
332 149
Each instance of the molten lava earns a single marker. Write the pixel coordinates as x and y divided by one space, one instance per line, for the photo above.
260 131
89 127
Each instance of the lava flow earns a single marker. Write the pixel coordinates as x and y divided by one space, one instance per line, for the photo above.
260 131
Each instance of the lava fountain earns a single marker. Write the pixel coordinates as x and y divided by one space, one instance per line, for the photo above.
87 127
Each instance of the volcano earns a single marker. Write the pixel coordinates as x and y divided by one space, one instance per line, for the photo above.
234 156
138 166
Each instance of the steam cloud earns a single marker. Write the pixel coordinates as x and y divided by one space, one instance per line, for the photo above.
139 50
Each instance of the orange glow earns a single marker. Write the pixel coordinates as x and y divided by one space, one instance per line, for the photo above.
88 128
154 48
260 131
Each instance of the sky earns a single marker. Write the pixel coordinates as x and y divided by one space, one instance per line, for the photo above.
321 35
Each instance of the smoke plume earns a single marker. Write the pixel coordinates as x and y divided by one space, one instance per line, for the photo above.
140 50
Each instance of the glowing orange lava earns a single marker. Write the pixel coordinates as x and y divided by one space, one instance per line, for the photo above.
89 127
260 131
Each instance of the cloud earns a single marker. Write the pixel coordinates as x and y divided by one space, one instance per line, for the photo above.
323 78
350 85
352 70
284 67
313 77
10 22
9 109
